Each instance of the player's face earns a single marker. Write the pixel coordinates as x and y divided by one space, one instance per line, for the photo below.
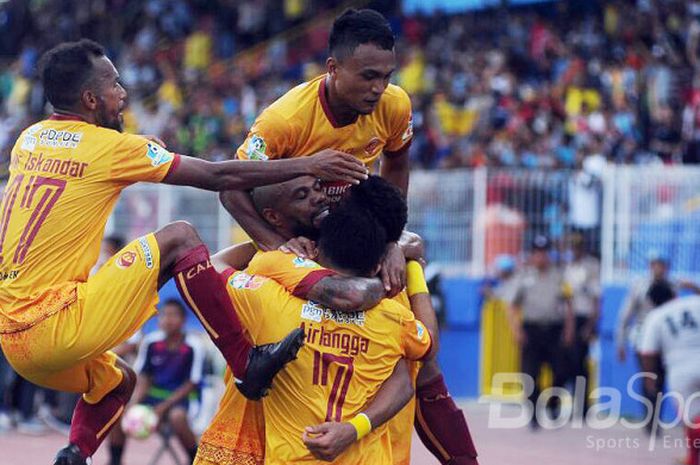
362 78
171 320
306 206
111 96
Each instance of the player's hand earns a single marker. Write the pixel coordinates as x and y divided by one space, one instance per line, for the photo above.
393 270
328 440
332 165
412 246
300 246
155 139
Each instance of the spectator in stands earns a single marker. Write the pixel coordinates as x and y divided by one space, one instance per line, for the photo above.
542 320
170 365
582 273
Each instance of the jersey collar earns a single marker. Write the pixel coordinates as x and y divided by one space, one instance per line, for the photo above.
65 117
326 107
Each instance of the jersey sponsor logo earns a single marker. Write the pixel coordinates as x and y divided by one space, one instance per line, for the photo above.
245 281
304 263
9 275
408 133
256 148
315 312
126 259
60 139
372 145
157 154
30 140
147 254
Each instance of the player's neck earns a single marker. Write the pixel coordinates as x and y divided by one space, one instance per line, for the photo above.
75 114
342 114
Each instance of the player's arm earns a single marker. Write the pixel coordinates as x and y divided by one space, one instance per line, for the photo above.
236 256
346 293
240 205
143 384
246 174
394 168
328 440
422 305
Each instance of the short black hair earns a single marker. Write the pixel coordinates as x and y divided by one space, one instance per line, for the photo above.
356 27
176 303
385 201
66 68
352 239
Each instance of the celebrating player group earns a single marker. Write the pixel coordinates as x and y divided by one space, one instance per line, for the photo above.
324 319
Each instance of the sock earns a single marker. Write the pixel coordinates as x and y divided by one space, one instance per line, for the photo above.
92 422
115 455
192 453
441 425
201 287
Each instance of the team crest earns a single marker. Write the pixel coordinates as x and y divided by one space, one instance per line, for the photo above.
245 281
372 146
126 259
256 148
157 154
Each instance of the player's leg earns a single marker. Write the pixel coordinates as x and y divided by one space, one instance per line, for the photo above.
177 416
117 443
185 258
531 364
440 424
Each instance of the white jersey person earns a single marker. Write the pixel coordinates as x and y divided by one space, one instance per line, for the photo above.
671 333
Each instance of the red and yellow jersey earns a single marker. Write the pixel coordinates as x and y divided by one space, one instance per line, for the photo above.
298 276
344 361
300 124
65 177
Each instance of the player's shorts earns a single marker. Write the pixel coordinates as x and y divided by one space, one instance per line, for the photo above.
69 351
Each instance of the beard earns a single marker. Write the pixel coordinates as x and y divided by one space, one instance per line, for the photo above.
105 120
306 230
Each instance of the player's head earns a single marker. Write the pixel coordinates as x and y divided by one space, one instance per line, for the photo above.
293 208
171 317
539 257
79 78
352 241
361 61
384 201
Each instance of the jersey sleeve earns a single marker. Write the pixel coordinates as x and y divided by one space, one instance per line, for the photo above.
297 275
401 120
138 159
415 337
270 137
650 337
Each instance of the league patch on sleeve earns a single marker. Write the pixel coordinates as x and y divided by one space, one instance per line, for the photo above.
420 330
304 263
157 154
256 148
408 133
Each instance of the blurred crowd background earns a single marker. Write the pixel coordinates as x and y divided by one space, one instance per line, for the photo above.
552 85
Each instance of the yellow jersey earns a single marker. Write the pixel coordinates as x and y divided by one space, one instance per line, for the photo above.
344 361
65 177
300 123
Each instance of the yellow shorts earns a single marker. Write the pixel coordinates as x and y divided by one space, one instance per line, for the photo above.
69 351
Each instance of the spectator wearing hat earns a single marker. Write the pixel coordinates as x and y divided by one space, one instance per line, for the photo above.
583 274
542 318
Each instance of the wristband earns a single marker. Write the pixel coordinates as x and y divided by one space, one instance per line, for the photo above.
415 280
361 424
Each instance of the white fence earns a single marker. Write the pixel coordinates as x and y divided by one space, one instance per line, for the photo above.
469 217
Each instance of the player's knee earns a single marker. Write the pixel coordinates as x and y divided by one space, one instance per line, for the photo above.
178 416
177 237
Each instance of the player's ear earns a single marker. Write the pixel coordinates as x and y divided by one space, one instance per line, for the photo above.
331 66
89 99
272 217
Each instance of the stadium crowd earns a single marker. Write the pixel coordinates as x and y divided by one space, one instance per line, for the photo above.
541 87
